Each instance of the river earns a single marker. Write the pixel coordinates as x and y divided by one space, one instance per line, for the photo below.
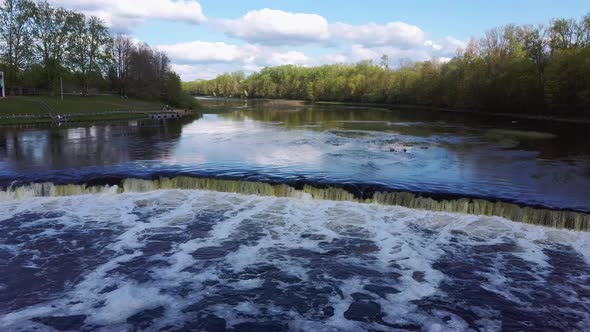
175 260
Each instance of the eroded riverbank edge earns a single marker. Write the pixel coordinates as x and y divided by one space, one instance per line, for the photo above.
360 193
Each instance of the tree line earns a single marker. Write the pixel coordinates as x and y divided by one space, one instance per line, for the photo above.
532 70
43 47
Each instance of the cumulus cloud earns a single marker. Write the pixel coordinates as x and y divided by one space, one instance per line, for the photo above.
276 37
444 59
122 15
450 45
269 26
199 59
359 52
330 59
277 27
289 57
207 52
195 71
401 34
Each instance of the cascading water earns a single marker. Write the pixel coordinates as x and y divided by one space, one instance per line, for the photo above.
178 260
539 216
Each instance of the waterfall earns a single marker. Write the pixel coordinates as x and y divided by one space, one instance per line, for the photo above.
531 215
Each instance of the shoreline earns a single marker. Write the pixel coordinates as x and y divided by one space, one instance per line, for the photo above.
465 111
418 107
40 110
24 120
99 117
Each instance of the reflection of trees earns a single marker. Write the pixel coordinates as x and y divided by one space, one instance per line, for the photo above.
98 145
327 117
323 117
569 140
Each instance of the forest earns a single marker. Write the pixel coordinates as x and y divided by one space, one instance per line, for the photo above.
528 70
43 48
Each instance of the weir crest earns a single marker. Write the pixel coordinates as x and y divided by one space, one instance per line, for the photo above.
573 220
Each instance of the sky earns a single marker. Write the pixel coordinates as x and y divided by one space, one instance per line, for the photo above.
206 38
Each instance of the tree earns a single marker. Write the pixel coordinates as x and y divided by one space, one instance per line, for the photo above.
41 45
88 47
15 37
568 82
121 49
52 29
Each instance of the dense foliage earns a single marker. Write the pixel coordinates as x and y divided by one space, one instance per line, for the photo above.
518 69
42 46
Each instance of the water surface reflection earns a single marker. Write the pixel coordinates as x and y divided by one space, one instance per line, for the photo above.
527 161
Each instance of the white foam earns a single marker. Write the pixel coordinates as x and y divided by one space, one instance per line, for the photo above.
127 300
406 241
248 284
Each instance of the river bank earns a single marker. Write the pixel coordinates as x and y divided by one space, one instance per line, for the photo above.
299 102
45 109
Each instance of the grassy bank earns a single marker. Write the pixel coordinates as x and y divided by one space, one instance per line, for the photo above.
16 110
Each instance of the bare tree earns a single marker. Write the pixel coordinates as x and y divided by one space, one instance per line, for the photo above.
121 49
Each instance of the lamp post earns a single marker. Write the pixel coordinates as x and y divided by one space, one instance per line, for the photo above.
2 90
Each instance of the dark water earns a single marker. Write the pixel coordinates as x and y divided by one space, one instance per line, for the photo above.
527 161
206 261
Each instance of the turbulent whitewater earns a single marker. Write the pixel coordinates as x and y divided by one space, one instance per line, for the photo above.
174 260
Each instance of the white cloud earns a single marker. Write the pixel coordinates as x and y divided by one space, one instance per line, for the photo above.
124 14
255 56
393 33
193 72
444 59
359 53
269 26
207 52
450 45
330 59
433 45
277 27
289 57
206 60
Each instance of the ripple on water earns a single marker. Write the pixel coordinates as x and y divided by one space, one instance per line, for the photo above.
178 260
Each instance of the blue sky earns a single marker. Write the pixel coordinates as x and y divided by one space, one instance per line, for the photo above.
207 37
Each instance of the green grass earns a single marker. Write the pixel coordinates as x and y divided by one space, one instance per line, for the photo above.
19 105
74 104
